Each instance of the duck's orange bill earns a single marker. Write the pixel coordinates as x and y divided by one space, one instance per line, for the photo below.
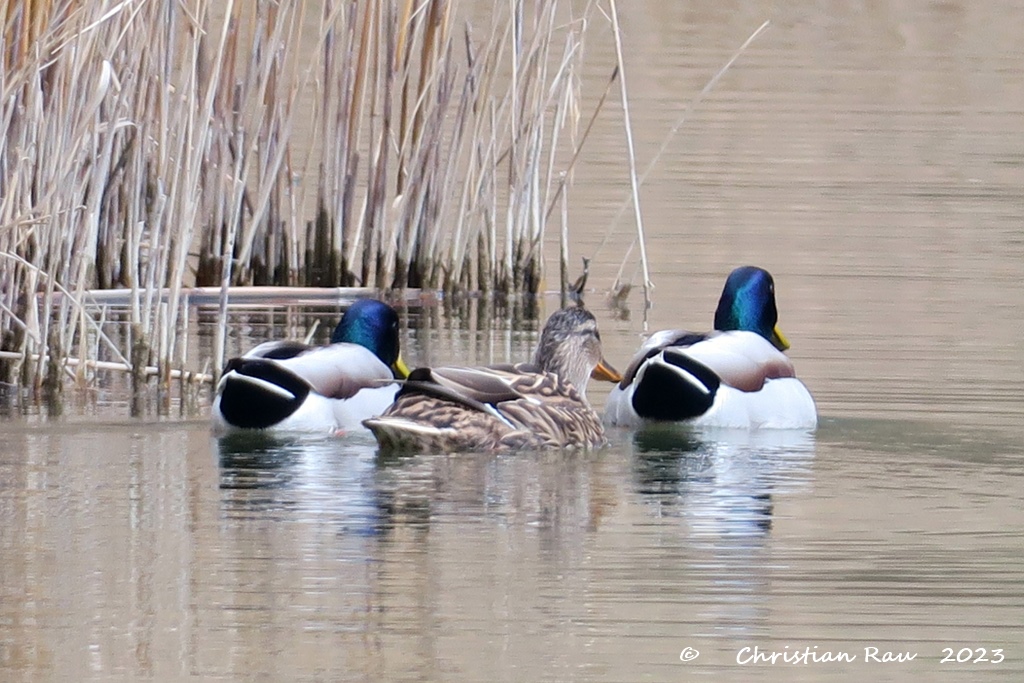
605 372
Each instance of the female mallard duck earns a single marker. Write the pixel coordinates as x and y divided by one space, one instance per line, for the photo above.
289 386
735 377
505 407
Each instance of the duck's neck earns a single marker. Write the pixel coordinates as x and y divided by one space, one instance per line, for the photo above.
750 316
570 367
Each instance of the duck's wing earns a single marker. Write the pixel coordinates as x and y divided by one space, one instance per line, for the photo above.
478 389
338 371
508 392
654 345
277 350
742 360
490 385
500 406
449 408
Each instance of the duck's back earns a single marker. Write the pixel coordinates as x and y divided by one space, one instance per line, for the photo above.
503 407
290 387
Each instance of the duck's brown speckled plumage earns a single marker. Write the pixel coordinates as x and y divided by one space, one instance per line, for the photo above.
505 407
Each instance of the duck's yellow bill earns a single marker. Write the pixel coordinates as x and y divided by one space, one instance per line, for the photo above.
400 368
779 339
605 372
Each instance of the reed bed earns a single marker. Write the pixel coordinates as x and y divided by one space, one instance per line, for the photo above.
156 146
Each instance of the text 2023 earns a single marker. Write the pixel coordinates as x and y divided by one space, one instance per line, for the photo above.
969 655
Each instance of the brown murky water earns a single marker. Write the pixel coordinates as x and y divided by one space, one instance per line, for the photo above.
872 157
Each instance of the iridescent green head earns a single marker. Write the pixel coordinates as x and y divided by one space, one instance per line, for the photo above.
373 324
748 303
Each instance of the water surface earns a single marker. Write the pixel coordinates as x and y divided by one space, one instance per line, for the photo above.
145 550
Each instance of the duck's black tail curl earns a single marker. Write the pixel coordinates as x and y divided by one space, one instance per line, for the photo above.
676 387
257 393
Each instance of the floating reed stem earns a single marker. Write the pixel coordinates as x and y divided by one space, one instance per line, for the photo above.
143 370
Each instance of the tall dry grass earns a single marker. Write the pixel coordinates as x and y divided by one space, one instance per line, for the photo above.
155 145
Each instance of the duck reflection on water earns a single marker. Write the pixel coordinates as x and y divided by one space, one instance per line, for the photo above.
722 480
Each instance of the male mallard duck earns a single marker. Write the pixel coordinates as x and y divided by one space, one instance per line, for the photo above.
736 376
505 407
290 386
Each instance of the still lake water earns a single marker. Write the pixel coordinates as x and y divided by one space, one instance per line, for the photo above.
870 156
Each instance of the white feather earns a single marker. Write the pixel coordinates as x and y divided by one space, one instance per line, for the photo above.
780 403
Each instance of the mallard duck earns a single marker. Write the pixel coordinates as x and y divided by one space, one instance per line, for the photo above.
289 386
505 407
734 377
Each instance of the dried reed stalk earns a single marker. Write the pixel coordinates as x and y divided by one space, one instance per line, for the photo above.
618 287
153 147
631 155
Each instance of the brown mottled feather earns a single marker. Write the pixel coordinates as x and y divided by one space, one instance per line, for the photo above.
503 407
540 410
